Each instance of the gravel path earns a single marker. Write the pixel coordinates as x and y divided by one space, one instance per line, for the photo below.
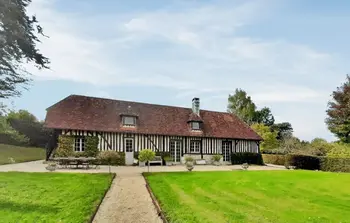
128 201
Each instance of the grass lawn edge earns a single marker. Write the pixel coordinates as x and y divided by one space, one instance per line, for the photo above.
104 195
154 200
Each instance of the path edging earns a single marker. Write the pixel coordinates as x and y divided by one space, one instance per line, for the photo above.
154 201
104 195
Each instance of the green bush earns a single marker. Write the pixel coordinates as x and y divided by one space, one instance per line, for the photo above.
111 158
216 158
274 159
335 164
250 158
189 159
146 155
302 161
339 150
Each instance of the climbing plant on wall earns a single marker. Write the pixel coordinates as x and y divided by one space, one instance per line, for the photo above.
65 146
91 145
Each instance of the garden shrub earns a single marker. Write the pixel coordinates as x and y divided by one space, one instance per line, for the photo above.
274 159
111 158
305 162
146 155
335 164
189 159
250 158
65 146
216 158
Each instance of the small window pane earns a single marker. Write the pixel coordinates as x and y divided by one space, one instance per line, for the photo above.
195 146
195 125
128 120
79 144
129 145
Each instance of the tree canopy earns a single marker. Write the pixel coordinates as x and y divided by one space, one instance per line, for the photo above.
284 130
241 105
270 138
23 128
338 120
264 116
18 44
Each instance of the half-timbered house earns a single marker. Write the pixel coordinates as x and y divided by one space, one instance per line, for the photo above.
129 127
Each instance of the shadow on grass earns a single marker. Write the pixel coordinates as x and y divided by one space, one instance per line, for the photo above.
26 208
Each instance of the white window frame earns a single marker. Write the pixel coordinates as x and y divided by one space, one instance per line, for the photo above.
129 142
79 144
197 123
195 146
129 117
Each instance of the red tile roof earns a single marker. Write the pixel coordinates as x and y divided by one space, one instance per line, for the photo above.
99 114
194 118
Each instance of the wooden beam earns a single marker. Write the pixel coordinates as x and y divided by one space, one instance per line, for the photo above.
106 141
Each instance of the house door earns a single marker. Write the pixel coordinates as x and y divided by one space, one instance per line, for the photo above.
129 151
226 151
175 150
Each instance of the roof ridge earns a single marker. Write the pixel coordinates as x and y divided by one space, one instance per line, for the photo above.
145 103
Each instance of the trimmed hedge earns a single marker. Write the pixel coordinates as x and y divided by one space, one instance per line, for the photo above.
250 158
303 161
274 159
335 164
331 164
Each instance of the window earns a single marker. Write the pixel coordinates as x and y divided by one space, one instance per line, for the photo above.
129 121
195 126
129 145
195 146
79 144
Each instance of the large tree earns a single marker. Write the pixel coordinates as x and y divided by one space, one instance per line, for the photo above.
338 112
18 44
264 116
284 130
270 141
241 105
28 125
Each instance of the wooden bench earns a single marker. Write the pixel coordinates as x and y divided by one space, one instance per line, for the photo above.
157 159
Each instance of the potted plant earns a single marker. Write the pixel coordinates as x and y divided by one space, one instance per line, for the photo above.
51 166
216 159
245 166
168 160
146 155
189 163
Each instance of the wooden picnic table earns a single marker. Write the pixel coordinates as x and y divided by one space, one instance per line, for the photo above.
75 161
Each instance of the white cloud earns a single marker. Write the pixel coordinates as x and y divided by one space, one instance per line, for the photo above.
196 51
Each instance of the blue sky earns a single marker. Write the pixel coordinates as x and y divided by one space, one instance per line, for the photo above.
288 55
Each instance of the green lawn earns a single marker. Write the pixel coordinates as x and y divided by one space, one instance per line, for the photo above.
20 154
253 196
50 197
